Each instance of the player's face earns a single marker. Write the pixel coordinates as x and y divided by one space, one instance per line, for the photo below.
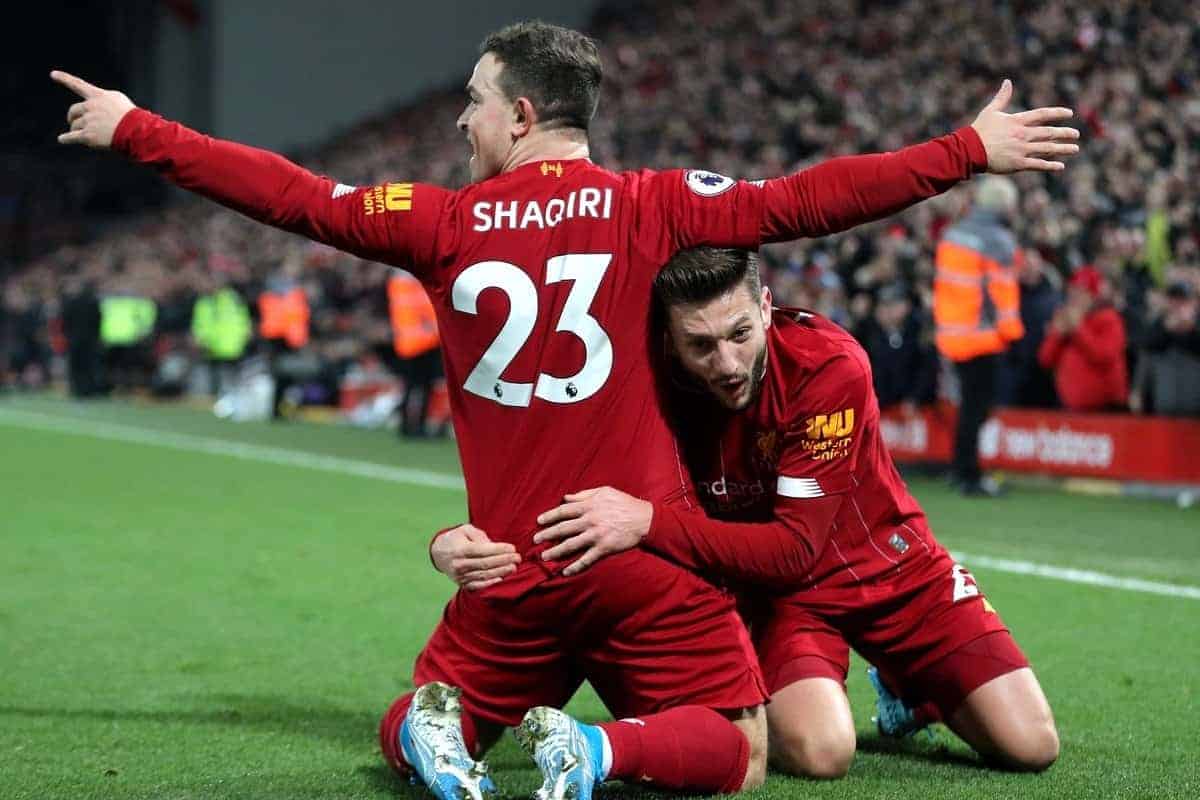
723 343
487 120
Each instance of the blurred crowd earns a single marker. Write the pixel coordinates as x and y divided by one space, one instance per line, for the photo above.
758 88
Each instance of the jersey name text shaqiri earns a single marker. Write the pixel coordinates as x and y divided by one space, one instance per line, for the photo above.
522 214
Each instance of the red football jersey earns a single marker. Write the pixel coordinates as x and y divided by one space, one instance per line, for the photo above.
805 465
541 280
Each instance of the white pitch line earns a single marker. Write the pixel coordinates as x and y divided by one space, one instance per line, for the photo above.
1072 575
416 477
224 447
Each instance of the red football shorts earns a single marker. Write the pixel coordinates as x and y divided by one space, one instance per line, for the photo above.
930 632
648 636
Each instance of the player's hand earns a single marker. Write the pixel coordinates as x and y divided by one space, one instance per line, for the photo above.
1028 140
93 119
594 522
469 558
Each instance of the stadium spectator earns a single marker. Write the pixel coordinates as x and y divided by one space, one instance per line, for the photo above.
221 329
976 310
81 325
24 348
1169 379
904 363
1023 381
127 325
1085 347
416 357
285 324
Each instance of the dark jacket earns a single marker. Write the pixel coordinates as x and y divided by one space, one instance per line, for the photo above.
904 366
1174 370
1024 382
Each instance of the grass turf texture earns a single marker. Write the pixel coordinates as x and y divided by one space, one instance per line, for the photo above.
179 625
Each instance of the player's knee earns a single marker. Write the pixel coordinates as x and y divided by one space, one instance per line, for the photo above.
823 754
1038 748
1030 747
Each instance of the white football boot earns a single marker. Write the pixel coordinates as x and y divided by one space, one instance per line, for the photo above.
569 754
432 742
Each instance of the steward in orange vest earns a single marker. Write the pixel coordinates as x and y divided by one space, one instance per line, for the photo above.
976 298
414 326
284 315
418 358
976 308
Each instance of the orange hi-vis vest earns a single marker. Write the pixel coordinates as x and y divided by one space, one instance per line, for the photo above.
976 299
414 325
284 315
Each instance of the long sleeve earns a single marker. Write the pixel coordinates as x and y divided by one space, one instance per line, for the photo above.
778 554
393 223
848 191
1051 349
813 476
679 209
1101 339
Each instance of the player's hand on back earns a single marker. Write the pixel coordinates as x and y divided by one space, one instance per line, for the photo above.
95 117
1027 140
594 523
472 560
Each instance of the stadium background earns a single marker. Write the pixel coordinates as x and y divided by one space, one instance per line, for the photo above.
205 614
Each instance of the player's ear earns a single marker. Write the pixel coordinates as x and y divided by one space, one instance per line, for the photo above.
524 117
765 306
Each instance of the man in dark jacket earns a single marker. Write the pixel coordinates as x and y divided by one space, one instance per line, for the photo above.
81 325
1172 355
1023 381
904 363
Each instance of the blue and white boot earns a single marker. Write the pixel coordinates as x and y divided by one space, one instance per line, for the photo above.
432 742
892 717
569 754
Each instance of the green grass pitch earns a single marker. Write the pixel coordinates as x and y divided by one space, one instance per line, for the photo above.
179 624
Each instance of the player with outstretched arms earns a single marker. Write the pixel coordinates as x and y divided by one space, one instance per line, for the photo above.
540 272
780 427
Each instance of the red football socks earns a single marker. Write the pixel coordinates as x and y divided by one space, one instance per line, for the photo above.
690 748
389 734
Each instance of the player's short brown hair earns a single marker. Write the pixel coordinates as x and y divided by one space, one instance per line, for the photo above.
557 68
700 274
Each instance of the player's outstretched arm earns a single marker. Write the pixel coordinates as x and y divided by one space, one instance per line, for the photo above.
260 184
851 190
